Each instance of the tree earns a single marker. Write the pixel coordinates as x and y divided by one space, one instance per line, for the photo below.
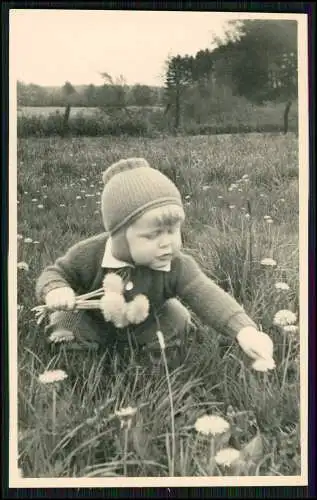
263 60
115 93
142 95
68 92
179 76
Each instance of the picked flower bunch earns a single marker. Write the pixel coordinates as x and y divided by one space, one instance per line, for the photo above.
111 302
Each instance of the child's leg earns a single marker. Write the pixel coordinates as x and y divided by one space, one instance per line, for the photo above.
174 321
86 331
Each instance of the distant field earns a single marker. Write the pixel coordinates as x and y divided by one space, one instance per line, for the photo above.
47 110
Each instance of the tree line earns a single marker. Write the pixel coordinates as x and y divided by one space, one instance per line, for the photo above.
255 61
89 95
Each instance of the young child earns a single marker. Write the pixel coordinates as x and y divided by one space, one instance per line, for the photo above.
142 213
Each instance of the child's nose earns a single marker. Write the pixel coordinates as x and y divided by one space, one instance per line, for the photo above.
166 240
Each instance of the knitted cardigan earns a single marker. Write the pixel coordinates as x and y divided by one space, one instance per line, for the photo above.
80 268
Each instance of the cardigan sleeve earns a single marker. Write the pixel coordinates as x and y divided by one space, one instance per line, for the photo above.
75 269
208 301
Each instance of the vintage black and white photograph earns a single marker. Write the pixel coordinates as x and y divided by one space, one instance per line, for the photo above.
158 211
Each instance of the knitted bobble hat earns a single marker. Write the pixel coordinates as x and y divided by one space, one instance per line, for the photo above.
131 188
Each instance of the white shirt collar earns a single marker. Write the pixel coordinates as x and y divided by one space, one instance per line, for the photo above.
109 261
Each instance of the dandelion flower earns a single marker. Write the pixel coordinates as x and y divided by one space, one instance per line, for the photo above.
23 266
211 425
98 202
62 205
263 365
113 282
45 196
282 200
113 307
28 240
187 197
269 221
245 176
40 206
220 197
267 217
36 242
232 207
268 262
34 200
247 216
281 286
138 309
61 336
227 456
125 416
83 179
290 329
78 197
262 195
284 317
19 237
206 187
51 376
127 412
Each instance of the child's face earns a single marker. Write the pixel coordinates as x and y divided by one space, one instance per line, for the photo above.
155 237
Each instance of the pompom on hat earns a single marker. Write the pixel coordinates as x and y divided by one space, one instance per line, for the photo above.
131 187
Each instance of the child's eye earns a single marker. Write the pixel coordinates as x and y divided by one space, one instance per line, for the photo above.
151 236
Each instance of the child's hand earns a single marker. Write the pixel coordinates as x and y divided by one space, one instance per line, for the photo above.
256 344
61 298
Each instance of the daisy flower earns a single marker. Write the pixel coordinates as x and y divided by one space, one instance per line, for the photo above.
51 376
61 336
281 286
125 416
227 456
268 262
23 266
290 329
284 317
211 425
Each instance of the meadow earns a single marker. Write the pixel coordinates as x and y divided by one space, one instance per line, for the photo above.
241 198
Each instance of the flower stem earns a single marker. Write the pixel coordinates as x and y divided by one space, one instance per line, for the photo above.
211 455
54 413
286 363
172 411
125 452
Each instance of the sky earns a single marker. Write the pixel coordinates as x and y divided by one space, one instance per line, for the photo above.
49 47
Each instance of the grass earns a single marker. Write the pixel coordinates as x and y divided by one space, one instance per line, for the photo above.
84 437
